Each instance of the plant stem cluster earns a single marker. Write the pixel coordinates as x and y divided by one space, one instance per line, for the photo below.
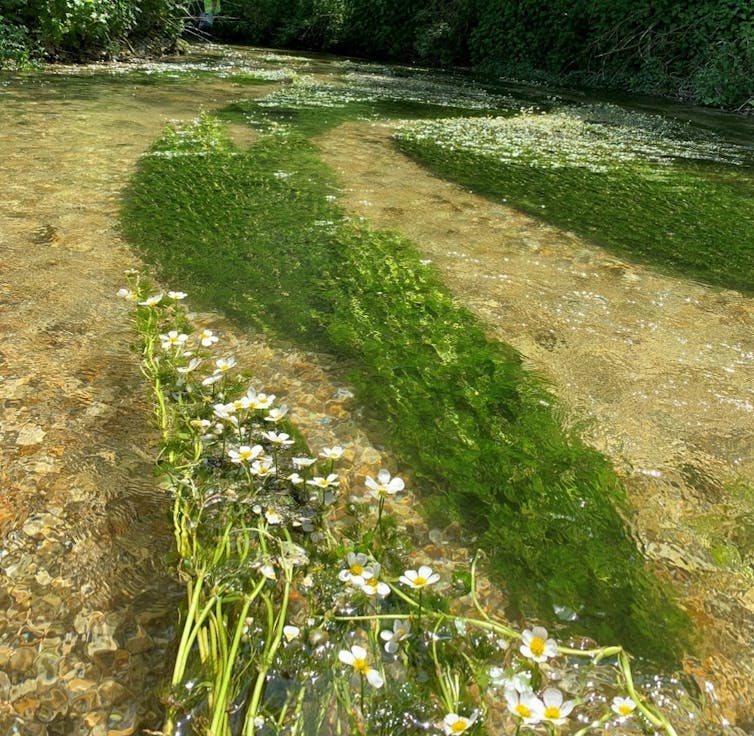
306 611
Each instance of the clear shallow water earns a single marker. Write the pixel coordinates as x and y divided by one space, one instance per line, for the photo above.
656 372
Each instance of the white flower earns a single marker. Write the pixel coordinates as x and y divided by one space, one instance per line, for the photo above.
177 295
556 711
527 706
332 453
420 578
152 300
520 682
276 415
245 454
401 631
273 517
207 338
291 632
384 485
268 571
173 339
258 400
536 645
357 658
262 468
295 478
302 462
623 706
225 364
372 585
194 363
281 439
214 378
357 571
128 294
319 482
453 724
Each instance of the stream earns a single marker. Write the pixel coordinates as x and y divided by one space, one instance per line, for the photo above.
655 372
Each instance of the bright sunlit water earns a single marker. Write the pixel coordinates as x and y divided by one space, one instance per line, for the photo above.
657 372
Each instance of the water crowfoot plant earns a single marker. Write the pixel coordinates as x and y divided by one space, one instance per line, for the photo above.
277 638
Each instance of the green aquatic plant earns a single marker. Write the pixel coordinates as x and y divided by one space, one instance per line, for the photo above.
653 192
250 661
481 433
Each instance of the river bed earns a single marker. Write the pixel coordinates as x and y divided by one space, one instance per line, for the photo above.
655 372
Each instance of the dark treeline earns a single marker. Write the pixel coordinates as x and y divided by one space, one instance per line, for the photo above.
698 50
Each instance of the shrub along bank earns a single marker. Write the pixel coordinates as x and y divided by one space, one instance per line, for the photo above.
255 233
701 51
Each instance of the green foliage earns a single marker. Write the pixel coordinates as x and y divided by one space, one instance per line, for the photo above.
254 234
79 30
679 219
16 48
701 50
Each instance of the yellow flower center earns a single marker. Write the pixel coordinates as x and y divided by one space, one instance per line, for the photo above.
459 726
552 712
361 666
537 646
523 711
356 569
419 581
625 710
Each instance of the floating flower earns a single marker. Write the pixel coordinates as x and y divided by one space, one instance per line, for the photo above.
332 453
200 423
556 711
177 295
262 468
420 578
214 378
401 631
128 294
259 400
373 585
194 363
384 485
208 338
152 301
281 439
331 481
357 571
277 414
225 364
536 646
173 339
454 724
291 632
245 454
520 682
357 658
623 706
527 706
273 517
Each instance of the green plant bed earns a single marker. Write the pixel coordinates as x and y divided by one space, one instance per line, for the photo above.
689 217
255 234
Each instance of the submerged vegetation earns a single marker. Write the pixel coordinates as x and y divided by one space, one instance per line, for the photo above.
307 612
257 234
632 183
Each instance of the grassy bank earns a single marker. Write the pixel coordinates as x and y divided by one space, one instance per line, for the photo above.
256 234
